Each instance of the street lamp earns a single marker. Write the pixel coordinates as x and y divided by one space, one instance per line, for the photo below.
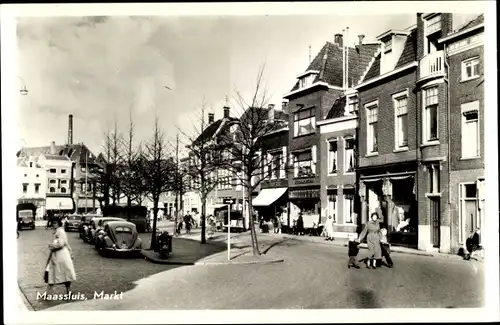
23 89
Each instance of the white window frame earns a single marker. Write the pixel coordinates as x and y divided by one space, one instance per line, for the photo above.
352 101
297 119
346 162
473 62
426 127
387 44
462 199
433 179
369 135
331 156
469 108
307 80
346 207
335 207
395 99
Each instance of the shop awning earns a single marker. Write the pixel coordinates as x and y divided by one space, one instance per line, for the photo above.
268 196
59 203
216 206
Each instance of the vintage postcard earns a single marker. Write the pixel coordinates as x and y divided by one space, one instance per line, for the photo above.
250 162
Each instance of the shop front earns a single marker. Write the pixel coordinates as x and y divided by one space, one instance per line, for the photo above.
55 205
271 203
39 204
393 197
306 201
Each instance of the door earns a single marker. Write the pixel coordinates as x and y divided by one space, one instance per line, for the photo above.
470 217
435 221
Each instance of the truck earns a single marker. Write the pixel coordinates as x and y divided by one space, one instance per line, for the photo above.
25 215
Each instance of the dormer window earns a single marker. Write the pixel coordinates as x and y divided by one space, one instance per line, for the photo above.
433 24
307 80
387 45
352 104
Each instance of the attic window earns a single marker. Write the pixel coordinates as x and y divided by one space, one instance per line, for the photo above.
433 25
388 45
307 80
352 104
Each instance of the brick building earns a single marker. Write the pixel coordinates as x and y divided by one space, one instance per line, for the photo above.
388 141
464 50
334 69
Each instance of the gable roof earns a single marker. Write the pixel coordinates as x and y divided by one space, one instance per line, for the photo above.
474 22
329 63
75 152
337 109
408 55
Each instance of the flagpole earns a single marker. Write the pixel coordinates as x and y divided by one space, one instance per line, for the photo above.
86 173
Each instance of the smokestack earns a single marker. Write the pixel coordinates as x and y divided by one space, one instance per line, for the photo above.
210 118
70 130
226 112
53 150
338 40
271 112
361 37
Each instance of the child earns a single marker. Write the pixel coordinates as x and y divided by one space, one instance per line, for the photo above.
353 252
385 247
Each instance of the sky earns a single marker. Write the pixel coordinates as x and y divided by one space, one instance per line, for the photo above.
103 69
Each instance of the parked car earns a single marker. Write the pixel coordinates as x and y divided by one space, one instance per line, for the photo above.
25 216
72 222
96 226
118 237
85 223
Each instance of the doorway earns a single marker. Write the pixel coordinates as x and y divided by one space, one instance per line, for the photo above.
435 211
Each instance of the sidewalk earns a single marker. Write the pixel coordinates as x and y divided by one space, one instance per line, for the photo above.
22 302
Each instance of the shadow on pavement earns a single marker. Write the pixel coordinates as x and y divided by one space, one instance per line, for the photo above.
365 299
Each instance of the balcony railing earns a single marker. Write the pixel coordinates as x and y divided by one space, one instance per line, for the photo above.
432 65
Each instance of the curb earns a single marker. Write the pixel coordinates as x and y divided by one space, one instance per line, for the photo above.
165 261
274 261
24 300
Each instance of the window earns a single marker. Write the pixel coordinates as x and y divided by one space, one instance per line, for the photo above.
52 171
349 155
401 108
276 165
52 181
470 218
433 179
470 130
388 45
372 119
303 165
332 157
25 175
332 205
306 81
431 114
304 122
470 69
63 171
25 188
352 105
31 164
433 24
37 188
37 175
52 189
348 207
63 189
64 181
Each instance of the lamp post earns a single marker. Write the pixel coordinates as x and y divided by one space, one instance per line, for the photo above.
23 89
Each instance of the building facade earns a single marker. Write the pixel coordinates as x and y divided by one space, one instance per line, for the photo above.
464 55
34 183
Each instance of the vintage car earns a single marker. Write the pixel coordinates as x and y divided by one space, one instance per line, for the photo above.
72 222
96 226
25 216
84 224
119 237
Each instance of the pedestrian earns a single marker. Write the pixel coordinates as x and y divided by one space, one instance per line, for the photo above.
372 234
59 268
329 228
472 244
211 227
187 221
353 250
179 226
385 247
300 225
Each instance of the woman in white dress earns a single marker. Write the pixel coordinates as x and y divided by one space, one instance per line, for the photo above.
329 228
60 263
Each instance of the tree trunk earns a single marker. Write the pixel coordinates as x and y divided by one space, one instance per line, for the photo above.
129 206
203 219
155 216
253 234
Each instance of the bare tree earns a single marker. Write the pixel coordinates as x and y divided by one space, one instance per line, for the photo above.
157 168
248 164
115 161
203 165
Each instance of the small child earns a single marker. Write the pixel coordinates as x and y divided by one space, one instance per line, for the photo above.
385 247
353 252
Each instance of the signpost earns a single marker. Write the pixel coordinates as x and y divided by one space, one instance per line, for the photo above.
228 202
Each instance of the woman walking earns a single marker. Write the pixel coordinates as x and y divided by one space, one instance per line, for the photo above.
59 269
329 228
372 233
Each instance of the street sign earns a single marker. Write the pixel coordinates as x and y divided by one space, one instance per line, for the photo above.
228 201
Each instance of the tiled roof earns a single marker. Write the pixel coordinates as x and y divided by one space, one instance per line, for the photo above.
337 109
56 157
75 152
408 55
329 63
474 22
209 132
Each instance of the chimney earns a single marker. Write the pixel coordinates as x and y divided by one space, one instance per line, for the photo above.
338 40
271 111
210 118
53 150
226 112
70 130
361 37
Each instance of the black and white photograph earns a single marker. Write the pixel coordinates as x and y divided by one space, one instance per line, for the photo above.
250 162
